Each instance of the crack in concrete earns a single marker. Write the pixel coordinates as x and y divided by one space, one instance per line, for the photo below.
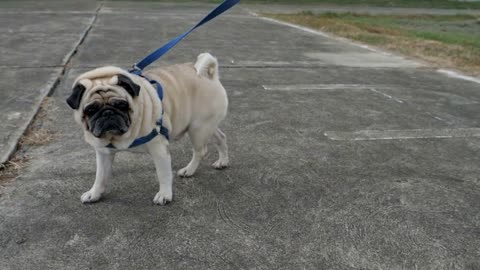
69 57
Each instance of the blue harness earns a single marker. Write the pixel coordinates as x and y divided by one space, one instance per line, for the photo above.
138 68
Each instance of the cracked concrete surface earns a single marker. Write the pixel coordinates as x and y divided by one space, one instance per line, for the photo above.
293 198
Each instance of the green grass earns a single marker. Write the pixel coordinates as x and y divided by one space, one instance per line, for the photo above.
372 39
456 29
449 38
450 4
447 41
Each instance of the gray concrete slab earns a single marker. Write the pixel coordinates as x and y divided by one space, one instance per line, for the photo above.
293 198
34 48
237 35
47 6
20 99
162 7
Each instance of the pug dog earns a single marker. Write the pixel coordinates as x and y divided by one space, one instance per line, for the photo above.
115 107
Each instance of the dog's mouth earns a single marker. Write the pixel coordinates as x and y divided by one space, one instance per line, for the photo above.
108 127
109 122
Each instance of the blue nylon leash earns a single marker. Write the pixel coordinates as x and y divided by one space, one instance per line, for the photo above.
226 5
155 55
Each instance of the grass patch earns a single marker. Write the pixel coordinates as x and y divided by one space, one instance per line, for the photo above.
36 134
443 4
11 169
444 41
447 4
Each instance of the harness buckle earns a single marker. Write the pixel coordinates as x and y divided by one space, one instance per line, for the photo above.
135 70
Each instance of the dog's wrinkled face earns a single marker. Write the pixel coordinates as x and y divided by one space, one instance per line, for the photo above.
105 111
107 114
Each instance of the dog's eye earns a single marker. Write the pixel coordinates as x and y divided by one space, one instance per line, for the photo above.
120 104
91 109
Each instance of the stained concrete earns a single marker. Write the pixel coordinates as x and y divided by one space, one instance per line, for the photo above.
362 59
292 197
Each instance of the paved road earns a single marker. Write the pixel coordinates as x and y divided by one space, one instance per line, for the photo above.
342 158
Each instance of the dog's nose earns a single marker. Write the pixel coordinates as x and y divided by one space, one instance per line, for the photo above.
107 112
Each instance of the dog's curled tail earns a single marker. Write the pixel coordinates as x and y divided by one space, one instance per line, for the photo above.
207 66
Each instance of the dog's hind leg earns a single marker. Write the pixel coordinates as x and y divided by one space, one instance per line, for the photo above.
199 137
220 141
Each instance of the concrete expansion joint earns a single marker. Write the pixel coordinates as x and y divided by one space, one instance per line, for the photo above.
70 56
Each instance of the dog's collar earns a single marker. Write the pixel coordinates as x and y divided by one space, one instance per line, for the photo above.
160 129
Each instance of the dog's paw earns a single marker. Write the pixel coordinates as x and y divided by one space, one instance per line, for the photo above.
220 164
90 196
163 197
185 172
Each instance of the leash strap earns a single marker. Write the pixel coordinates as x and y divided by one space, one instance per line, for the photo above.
226 5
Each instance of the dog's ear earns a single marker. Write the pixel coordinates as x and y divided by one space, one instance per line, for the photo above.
132 88
74 99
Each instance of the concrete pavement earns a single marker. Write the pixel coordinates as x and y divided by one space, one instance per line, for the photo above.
36 42
335 163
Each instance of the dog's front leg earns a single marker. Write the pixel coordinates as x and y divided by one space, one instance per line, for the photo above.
104 173
161 157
